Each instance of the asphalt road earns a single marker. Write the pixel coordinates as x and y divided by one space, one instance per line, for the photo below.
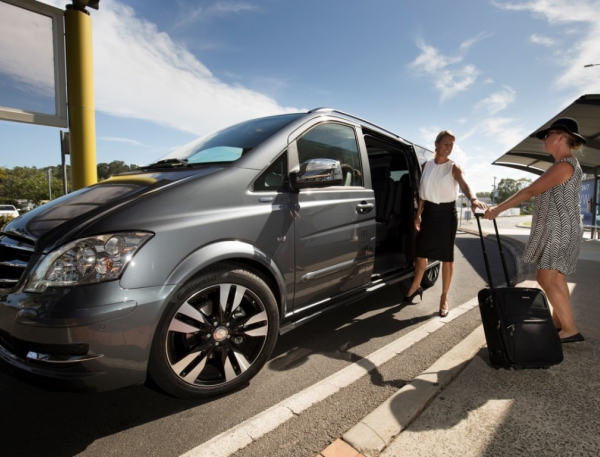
142 421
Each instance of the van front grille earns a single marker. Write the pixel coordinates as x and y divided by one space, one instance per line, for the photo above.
15 255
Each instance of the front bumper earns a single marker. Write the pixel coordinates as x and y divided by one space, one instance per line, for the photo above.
85 339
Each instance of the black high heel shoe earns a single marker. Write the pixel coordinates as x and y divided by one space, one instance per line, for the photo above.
410 298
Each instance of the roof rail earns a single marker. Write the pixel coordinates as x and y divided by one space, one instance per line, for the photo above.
332 110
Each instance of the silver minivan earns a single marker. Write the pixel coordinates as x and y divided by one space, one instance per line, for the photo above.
186 270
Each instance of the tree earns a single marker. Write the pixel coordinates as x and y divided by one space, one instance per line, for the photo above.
508 187
31 183
483 194
103 171
106 170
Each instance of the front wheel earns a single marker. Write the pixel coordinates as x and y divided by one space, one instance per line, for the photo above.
216 335
431 276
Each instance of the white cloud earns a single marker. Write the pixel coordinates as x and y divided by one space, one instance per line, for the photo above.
26 50
449 75
429 134
544 41
502 130
231 7
458 154
497 101
123 140
465 45
570 17
479 174
139 72
557 11
205 12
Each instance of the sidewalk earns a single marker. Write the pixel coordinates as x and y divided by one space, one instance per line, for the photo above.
461 406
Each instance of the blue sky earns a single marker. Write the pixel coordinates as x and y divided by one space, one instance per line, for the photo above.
167 72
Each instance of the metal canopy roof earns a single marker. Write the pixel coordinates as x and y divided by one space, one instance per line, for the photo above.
529 155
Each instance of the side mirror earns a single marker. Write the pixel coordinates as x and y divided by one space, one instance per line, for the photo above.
317 173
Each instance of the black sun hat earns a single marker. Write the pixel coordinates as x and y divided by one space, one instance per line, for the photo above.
566 124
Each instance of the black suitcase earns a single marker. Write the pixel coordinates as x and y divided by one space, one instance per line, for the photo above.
517 322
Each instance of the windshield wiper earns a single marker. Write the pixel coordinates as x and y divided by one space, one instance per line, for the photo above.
169 163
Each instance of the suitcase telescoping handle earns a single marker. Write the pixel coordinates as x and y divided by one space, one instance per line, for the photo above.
485 255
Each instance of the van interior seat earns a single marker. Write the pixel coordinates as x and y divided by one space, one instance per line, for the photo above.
273 180
400 213
383 187
348 174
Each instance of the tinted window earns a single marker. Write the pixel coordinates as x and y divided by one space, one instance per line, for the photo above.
273 178
229 144
333 141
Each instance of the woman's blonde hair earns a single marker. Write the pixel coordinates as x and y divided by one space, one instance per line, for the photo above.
443 134
574 143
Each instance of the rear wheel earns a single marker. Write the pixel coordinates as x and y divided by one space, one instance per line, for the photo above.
431 276
216 335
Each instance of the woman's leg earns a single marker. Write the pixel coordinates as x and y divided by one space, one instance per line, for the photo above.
555 285
447 273
420 265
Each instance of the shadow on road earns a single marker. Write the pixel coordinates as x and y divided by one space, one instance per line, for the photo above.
35 421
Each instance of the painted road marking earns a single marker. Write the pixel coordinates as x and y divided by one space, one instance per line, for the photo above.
254 428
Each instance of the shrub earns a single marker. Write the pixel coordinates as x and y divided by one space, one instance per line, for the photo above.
5 220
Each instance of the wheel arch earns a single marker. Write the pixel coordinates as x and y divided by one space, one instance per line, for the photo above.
238 252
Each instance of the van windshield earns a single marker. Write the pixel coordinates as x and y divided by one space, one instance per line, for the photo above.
229 144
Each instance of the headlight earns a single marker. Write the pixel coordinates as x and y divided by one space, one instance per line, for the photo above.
87 261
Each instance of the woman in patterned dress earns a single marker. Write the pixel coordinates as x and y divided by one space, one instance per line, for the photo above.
556 228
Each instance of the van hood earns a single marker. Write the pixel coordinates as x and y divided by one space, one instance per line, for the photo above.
74 211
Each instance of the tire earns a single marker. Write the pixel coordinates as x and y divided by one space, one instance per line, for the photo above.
216 335
431 276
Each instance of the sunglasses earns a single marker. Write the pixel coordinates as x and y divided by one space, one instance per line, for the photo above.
550 133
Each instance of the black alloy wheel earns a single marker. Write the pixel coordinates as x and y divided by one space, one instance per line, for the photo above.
217 335
431 276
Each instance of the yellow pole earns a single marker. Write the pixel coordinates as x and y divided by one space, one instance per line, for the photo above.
80 93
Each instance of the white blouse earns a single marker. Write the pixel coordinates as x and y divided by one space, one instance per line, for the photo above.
437 183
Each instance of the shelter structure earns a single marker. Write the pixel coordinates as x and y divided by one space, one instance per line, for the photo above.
529 156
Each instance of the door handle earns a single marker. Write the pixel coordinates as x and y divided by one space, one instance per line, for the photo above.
364 207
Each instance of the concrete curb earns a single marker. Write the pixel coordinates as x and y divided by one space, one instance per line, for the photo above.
379 428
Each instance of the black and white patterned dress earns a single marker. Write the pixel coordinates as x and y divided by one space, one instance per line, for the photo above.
556 228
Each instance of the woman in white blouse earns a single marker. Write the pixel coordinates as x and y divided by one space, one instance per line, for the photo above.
436 219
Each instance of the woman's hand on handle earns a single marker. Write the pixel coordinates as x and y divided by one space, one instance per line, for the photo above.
491 213
477 205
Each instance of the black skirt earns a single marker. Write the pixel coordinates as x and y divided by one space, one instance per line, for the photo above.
438 231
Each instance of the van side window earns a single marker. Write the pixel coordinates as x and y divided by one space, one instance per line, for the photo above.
333 141
273 178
